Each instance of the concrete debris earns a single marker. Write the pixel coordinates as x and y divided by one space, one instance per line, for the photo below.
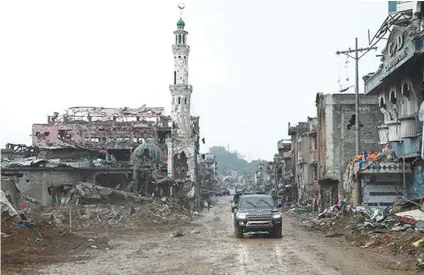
6 206
179 233
87 191
34 161
195 231
372 228
154 211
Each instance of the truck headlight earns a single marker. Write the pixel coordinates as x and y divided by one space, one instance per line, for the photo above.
241 216
276 216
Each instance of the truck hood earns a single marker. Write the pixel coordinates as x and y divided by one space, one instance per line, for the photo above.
258 211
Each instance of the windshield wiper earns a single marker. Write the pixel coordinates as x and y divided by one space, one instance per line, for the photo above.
266 202
252 204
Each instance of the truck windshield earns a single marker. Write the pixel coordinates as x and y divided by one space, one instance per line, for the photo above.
260 202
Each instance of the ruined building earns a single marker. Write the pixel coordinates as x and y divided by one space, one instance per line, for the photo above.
285 179
125 148
208 171
300 159
336 139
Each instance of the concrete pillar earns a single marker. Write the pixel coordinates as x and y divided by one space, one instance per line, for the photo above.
170 148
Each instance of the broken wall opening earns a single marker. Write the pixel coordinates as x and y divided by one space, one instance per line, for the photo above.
180 166
328 193
112 180
120 154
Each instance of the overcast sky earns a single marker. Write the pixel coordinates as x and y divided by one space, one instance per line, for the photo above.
254 65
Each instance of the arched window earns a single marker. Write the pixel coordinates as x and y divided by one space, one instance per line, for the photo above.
179 38
184 39
185 100
382 102
392 97
175 77
409 103
179 100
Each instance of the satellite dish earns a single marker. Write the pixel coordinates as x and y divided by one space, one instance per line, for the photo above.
181 5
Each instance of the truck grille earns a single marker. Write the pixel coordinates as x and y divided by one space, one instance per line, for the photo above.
261 217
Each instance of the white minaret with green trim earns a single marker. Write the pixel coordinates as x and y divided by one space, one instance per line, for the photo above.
180 89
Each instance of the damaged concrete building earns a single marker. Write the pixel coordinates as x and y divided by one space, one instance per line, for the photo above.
336 140
208 172
299 157
137 149
285 177
398 83
93 144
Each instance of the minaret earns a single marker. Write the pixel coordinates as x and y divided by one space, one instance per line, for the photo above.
180 89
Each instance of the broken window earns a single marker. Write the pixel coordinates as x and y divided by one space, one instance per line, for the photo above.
382 103
393 97
63 134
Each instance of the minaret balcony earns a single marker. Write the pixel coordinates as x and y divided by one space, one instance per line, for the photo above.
180 87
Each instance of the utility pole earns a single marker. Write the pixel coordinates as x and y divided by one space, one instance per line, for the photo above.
357 132
356 58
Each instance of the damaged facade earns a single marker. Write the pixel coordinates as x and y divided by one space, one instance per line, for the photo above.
325 167
139 150
285 176
336 140
399 86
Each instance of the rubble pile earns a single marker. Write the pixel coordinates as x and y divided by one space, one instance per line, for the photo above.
155 211
380 231
25 243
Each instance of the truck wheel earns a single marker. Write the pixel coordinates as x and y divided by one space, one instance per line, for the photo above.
278 231
239 232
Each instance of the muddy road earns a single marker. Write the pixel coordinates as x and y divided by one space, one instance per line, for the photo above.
209 247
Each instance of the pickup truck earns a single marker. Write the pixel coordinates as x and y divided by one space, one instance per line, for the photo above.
257 213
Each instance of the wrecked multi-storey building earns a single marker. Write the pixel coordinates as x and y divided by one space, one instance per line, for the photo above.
264 176
88 144
285 179
300 158
306 158
398 85
208 171
336 140
132 148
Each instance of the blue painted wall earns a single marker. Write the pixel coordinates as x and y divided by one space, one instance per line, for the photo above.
411 147
416 183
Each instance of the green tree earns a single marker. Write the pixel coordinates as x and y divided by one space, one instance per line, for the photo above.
228 161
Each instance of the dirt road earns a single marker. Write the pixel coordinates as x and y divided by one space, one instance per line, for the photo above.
213 249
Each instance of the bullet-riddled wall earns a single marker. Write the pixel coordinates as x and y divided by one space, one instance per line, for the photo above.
336 133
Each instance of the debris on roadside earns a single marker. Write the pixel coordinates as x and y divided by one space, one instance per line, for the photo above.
378 229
